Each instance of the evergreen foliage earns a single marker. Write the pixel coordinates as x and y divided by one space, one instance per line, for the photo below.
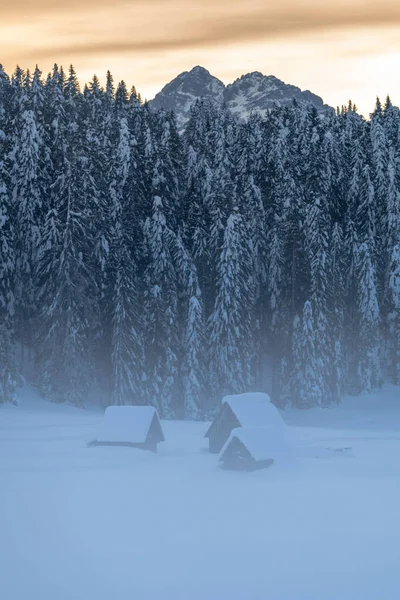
170 269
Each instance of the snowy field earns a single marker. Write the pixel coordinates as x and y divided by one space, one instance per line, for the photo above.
107 523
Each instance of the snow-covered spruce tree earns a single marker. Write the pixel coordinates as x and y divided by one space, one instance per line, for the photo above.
38 95
226 183
192 368
121 99
380 161
392 215
255 146
7 265
38 104
199 200
209 192
165 177
350 256
229 324
191 314
275 313
101 124
368 351
200 129
254 217
284 255
5 112
336 307
392 225
143 160
380 148
191 196
317 224
17 97
307 385
391 121
394 313
364 205
126 338
28 199
68 296
324 260
160 315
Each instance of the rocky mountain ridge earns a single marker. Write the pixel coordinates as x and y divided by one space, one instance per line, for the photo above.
253 92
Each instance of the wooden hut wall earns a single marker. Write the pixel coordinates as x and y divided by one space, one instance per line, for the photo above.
236 457
154 436
222 427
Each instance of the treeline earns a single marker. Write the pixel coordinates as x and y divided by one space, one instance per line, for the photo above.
172 269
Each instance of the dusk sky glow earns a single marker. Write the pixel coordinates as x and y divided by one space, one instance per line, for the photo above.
347 49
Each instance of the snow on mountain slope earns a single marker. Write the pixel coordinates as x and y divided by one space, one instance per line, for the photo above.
79 522
251 92
259 93
179 94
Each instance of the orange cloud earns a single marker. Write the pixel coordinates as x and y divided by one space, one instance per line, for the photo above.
150 41
129 26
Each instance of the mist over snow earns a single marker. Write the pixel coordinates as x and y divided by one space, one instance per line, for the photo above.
98 522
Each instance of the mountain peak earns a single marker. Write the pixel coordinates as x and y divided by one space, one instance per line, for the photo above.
198 70
252 92
181 92
252 75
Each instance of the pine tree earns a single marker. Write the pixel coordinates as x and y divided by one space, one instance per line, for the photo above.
336 308
121 99
369 370
7 265
160 314
28 199
229 324
380 159
126 340
392 217
193 346
38 95
317 234
5 99
67 293
254 216
394 314
166 172
192 370
307 384
284 254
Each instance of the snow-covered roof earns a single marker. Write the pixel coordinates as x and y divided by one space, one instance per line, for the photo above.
126 424
263 443
254 409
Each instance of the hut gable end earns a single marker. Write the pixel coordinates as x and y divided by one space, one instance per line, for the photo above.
221 428
254 448
242 410
155 431
137 426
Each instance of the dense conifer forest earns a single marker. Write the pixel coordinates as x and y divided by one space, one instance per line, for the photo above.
171 268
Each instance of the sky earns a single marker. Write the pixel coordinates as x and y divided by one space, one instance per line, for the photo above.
347 49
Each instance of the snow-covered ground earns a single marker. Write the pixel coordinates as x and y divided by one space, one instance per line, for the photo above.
110 523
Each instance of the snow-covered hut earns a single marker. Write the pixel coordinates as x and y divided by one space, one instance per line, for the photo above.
248 449
253 409
136 426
